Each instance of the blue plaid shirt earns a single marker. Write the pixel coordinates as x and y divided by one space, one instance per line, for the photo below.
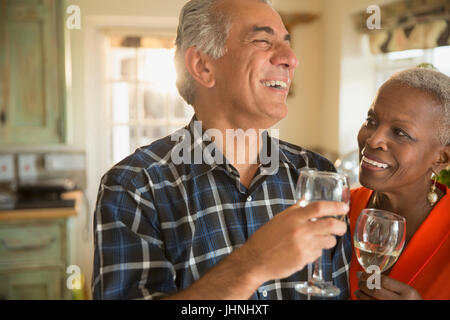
160 226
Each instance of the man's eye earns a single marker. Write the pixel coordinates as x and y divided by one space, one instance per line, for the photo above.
262 43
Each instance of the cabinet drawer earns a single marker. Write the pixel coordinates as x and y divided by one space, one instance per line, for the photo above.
23 243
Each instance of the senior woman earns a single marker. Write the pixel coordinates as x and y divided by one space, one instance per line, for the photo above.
405 139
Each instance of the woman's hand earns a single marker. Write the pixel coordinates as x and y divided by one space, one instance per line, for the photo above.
391 289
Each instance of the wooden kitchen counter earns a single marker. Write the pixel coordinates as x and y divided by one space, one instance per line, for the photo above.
45 213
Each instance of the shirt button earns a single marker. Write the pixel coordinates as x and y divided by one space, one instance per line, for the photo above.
264 293
249 198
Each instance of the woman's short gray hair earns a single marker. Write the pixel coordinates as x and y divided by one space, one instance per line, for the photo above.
435 83
205 27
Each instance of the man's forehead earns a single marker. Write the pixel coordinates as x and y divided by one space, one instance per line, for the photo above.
251 11
268 22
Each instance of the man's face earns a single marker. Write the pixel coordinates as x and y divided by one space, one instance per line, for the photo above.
254 76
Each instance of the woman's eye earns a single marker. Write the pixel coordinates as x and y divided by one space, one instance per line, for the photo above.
370 122
400 133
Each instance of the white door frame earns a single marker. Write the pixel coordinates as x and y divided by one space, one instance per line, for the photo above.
98 139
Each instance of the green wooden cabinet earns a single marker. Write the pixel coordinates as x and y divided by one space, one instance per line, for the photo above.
34 256
36 284
32 77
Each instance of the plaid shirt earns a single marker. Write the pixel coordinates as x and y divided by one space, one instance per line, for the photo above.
160 226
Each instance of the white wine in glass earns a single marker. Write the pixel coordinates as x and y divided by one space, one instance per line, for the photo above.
313 186
379 238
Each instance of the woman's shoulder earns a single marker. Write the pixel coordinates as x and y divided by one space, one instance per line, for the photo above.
359 198
444 203
360 191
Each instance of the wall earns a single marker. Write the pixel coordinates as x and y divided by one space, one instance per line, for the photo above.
348 75
301 125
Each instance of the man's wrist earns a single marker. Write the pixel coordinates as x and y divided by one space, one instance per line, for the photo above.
234 278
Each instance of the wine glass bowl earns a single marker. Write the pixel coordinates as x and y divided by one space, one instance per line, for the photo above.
313 185
379 238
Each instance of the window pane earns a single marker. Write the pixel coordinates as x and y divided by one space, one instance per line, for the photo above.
134 138
122 64
175 127
406 54
150 134
145 104
441 59
157 67
154 102
180 109
123 97
121 142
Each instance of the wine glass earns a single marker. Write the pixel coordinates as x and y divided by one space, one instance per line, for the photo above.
313 186
379 238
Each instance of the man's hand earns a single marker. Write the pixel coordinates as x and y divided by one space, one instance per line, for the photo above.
281 247
391 289
291 240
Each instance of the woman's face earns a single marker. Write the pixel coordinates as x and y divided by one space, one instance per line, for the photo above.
399 141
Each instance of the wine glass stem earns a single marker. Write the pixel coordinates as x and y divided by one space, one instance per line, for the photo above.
317 274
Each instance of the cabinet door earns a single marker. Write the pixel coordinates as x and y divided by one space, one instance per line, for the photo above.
4 133
37 243
38 284
33 106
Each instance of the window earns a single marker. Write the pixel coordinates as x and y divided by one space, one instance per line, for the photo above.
387 64
143 102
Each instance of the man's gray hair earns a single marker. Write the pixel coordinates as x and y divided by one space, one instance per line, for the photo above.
435 83
205 27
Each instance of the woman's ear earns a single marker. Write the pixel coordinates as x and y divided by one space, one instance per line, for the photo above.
443 160
199 66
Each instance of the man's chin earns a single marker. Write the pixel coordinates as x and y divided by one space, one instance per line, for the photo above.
280 112
275 115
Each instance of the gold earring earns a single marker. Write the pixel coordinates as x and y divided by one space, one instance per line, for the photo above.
432 195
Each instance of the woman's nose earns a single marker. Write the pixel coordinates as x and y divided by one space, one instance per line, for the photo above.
377 140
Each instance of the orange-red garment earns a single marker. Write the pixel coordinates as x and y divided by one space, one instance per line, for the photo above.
424 263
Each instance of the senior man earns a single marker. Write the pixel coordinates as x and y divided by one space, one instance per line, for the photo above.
219 228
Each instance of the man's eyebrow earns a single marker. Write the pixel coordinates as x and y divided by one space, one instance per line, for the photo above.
268 30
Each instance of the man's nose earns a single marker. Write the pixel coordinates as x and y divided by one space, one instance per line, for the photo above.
285 56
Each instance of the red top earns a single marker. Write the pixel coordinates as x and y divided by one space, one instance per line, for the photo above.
424 263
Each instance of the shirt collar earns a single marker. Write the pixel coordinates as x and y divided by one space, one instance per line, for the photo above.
206 157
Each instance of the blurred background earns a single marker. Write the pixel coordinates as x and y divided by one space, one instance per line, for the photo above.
83 83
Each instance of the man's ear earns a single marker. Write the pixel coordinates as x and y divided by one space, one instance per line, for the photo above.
443 160
199 66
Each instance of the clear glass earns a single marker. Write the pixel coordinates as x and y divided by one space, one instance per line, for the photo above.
313 186
379 238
